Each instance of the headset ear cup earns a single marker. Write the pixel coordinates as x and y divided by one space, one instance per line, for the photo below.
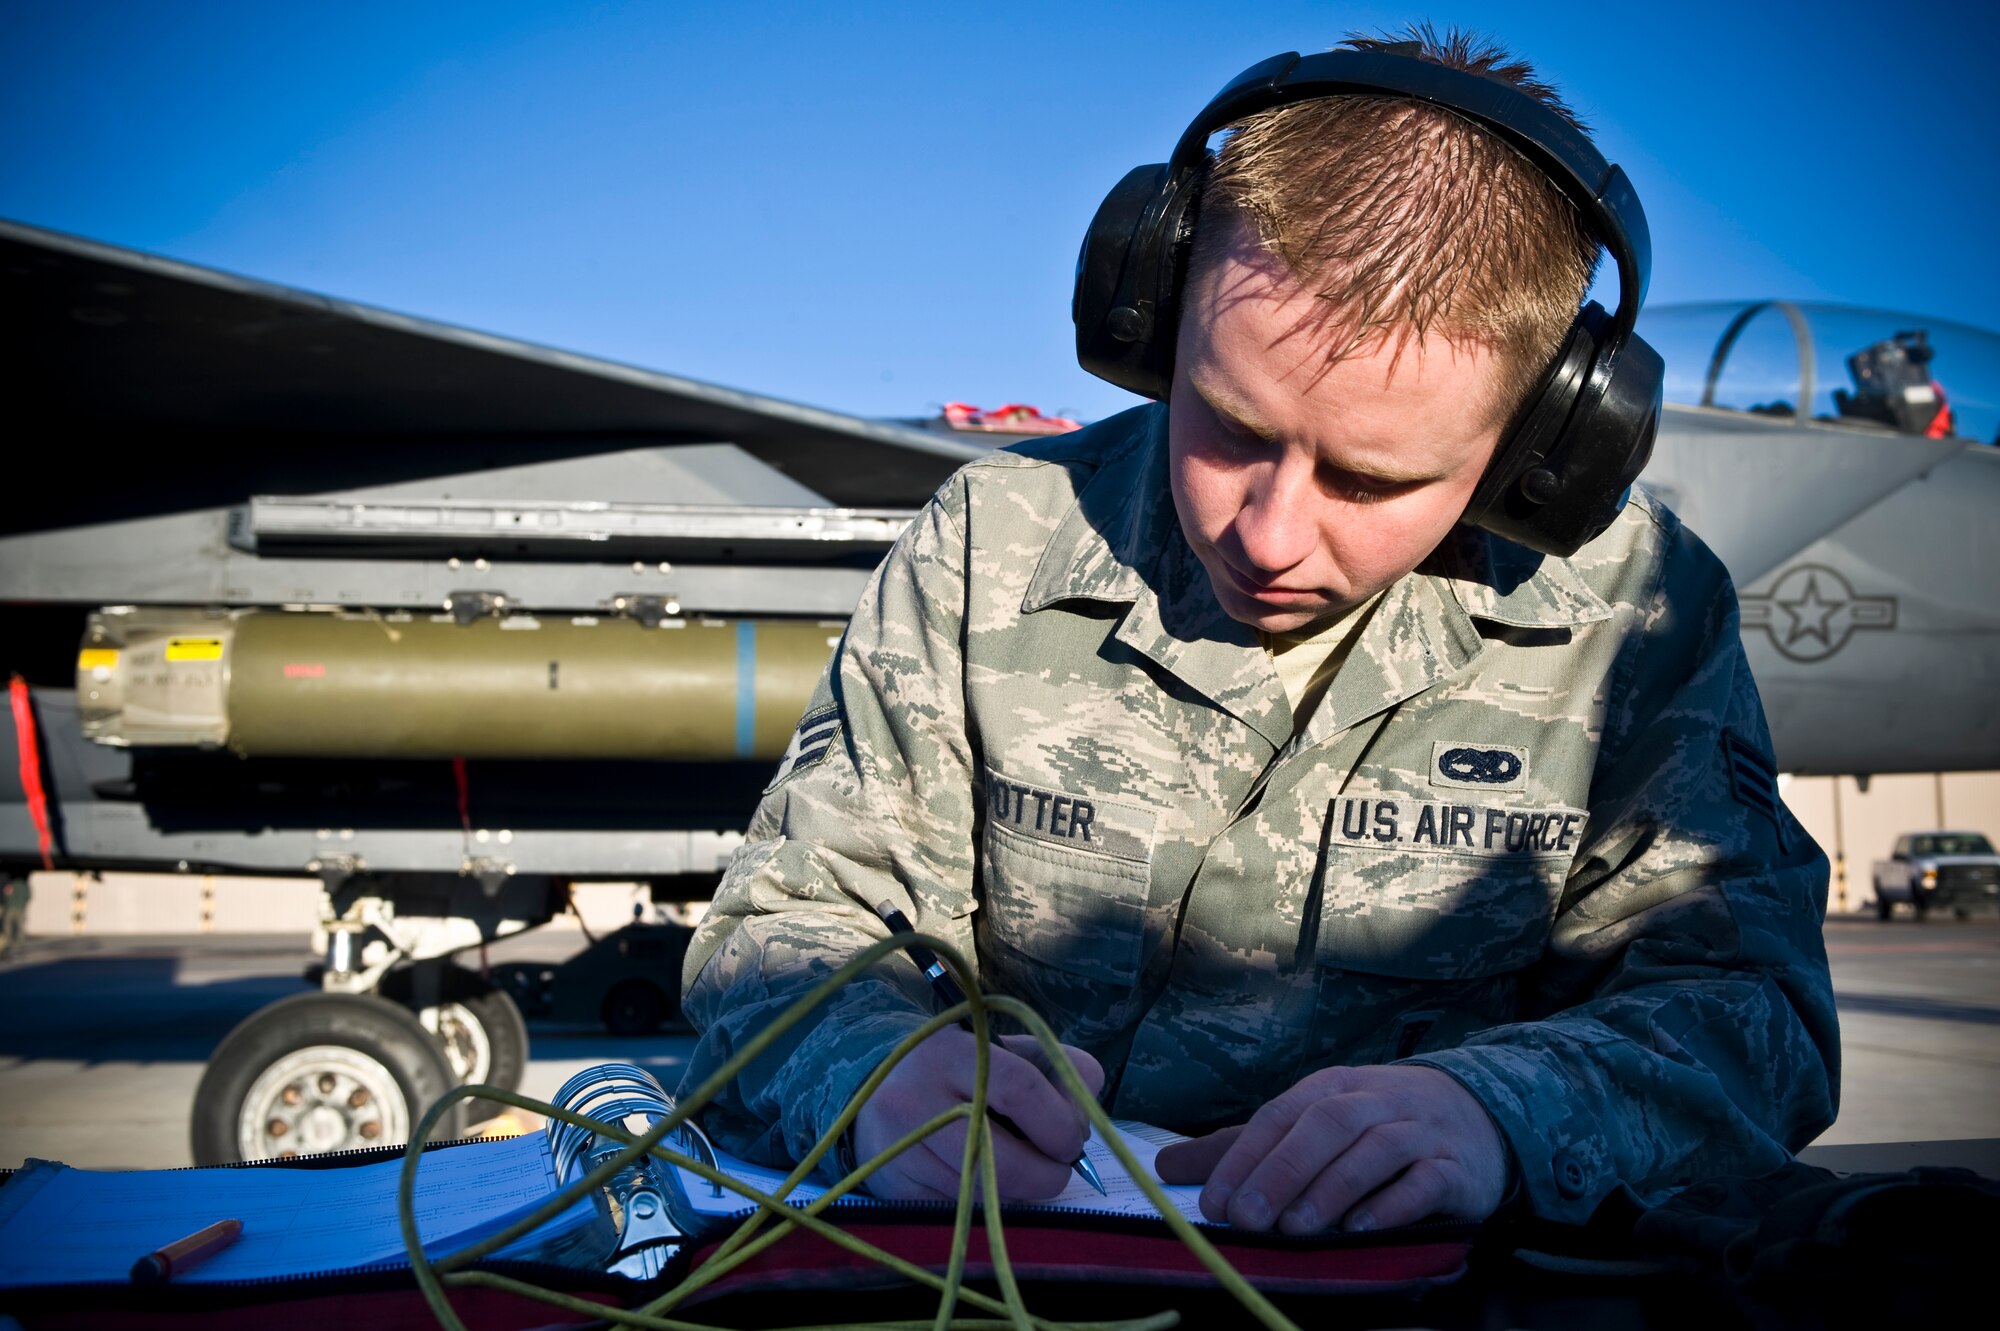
1127 278
1609 439
1531 436
1563 470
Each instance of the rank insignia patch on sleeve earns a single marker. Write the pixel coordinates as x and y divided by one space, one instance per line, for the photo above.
812 741
1755 783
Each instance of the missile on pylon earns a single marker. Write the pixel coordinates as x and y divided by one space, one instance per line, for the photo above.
333 684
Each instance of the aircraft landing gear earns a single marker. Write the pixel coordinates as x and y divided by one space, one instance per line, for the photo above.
319 1072
394 1027
477 1026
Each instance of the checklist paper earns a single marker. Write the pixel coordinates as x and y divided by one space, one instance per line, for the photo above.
1121 1195
63 1226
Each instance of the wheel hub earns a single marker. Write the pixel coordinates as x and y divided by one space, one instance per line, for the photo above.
463 1037
321 1098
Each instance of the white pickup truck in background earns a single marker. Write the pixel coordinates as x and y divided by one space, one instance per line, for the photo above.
1954 871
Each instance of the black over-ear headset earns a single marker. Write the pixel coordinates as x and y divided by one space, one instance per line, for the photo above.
1570 455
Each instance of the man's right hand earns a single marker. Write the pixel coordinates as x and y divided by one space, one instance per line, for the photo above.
936 1075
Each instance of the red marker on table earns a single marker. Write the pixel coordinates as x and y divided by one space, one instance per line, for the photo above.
175 1258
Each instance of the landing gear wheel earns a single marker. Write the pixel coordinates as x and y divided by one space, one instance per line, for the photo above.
315 1073
478 1026
484 1038
633 1007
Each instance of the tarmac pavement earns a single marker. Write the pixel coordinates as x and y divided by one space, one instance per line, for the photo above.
102 1039
1919 1006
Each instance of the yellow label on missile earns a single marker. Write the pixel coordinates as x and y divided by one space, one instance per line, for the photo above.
194 649
97 658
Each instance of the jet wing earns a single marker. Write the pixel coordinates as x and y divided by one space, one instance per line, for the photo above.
145 384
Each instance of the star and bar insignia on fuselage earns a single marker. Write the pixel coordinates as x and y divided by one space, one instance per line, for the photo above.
1811 611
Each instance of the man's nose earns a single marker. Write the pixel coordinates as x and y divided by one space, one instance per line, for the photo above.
1274 527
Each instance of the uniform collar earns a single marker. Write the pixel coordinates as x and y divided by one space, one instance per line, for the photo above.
1504 583
1120 518
1121 543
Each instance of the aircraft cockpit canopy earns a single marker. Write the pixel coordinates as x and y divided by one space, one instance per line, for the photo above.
1834 364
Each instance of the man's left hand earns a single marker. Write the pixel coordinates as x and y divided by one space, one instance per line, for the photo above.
1361 1148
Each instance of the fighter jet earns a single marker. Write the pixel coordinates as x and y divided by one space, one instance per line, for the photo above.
1841 462
449 621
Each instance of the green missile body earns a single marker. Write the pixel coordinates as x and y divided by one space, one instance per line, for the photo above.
337 685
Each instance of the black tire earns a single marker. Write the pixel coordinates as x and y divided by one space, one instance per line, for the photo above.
506 1034
317 1070
633 1007
1884 907
499 1024
496 1052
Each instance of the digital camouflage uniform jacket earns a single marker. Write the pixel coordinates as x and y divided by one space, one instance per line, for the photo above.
1530 836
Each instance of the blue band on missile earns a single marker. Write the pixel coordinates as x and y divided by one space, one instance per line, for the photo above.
746 687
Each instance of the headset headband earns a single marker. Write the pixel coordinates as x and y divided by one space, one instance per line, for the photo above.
1563 153
1582 434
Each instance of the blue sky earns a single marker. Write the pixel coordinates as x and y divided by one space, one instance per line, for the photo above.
877 207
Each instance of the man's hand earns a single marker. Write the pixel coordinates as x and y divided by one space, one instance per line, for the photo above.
1362 1148
936 1075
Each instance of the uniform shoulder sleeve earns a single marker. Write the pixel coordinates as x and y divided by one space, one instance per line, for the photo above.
872 803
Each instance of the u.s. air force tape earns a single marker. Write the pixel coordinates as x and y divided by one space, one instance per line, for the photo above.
1457 829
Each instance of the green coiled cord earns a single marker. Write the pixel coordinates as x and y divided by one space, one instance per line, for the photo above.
775 1218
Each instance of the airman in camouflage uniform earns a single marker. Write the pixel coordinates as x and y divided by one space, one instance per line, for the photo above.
1529 836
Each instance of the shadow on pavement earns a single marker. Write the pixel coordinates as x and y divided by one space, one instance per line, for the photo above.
135 1008
124 1009
1924 1009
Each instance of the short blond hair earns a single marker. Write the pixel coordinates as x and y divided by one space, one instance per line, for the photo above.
1406 219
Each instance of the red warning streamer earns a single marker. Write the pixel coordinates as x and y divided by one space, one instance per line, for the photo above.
464 781
28 741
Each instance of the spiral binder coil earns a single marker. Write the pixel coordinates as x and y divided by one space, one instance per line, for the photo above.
615 1093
